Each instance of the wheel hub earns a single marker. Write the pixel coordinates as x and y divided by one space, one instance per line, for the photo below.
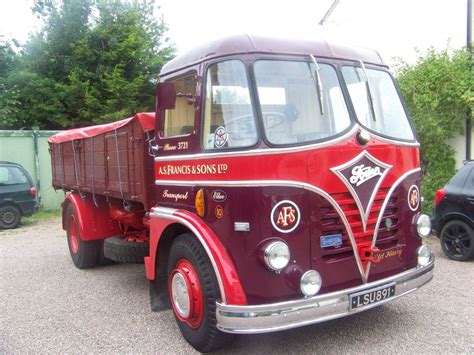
8 217
186 295
180 294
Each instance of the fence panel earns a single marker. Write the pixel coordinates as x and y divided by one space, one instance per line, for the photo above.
31 150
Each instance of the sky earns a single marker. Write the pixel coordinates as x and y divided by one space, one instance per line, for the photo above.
395 28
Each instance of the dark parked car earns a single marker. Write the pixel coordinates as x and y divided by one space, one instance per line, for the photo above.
453 218
17 195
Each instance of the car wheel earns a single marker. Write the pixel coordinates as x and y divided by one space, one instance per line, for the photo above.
10 217
457 240
84 254
193 293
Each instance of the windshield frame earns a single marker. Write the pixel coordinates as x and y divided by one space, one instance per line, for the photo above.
335 64
356 65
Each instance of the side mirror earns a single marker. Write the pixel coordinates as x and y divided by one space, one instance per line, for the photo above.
166 95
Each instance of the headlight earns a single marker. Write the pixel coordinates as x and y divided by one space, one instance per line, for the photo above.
276 255
424 255
423 225
310 283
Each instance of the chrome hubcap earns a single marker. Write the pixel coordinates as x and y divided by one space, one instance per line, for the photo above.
180 293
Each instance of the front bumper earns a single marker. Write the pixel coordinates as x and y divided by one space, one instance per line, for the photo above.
285 315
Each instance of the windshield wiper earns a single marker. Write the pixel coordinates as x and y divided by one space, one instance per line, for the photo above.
370 98
319 84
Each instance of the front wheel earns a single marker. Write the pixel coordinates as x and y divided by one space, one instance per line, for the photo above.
457 240
193 293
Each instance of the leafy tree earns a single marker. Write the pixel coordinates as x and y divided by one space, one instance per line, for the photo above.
438 92
9 96
93 61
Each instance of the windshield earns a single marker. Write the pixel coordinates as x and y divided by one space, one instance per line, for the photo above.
384 113
291 94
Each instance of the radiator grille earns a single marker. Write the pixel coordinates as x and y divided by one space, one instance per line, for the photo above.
332 224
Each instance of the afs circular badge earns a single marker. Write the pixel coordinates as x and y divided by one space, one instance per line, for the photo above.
285 216
413 197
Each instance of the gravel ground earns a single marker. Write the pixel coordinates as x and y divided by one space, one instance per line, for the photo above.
49 306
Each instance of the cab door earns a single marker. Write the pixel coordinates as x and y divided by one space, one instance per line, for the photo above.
178 134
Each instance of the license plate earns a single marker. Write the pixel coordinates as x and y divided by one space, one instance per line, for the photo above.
372 296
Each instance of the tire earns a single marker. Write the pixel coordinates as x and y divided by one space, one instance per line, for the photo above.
84 254
457 240
125 251
10 217
189 269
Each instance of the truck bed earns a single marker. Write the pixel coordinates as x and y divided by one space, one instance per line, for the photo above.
109 160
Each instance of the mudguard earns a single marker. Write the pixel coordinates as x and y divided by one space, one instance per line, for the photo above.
229 283
94 221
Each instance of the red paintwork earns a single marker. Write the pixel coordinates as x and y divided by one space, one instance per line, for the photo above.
232 286
366 254
73 237
296 166
93 222
254 204
186 269
146 120
132 218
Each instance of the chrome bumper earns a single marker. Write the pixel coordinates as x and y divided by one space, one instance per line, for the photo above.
285 315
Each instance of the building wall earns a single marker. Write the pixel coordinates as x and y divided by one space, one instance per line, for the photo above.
19 147
459 145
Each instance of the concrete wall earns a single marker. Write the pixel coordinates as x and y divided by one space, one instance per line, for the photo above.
19 147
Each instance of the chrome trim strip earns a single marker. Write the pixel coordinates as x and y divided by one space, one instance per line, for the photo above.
168 213
291 314
296 184
393 141
255 152
336 170
270 151
384 206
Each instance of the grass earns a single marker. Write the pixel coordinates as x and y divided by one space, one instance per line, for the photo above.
41 215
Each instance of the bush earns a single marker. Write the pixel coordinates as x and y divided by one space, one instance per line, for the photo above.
438 92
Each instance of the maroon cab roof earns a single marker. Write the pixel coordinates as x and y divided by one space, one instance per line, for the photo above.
244 43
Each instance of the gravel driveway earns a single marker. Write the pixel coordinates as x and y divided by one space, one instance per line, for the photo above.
47 305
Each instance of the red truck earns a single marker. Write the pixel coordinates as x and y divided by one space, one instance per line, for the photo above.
276 186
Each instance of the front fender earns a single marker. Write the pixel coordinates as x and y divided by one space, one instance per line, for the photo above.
229 283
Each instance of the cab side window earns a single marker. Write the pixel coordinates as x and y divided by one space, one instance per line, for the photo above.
229 120
180 120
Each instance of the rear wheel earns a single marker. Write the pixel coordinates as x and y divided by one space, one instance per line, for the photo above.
457 240
193 293
10 217
84 254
